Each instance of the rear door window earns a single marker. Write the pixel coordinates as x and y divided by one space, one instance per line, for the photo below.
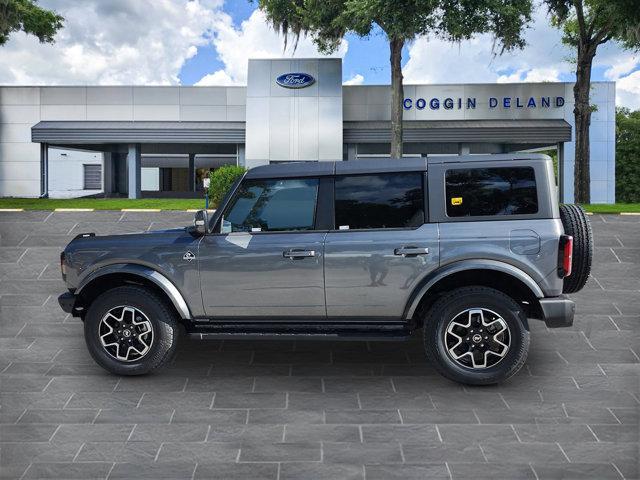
478 192
388 200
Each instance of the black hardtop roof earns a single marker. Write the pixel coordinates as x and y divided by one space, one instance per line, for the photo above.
376 165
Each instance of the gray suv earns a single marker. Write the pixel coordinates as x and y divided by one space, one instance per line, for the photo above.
468 249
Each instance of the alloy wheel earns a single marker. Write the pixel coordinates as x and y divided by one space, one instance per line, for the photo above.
477 338
126 333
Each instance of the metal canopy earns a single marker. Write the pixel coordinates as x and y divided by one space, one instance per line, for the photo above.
434 131
480 131
57 132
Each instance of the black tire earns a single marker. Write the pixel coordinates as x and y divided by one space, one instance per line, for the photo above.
576 223
163 341
451 306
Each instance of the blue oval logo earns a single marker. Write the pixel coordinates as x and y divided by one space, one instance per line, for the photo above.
295 80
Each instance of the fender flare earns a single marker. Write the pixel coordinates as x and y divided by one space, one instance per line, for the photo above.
463 265
147 273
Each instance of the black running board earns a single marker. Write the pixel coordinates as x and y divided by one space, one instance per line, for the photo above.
298 331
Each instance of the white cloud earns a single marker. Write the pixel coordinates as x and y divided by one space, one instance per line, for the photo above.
622 65
544 59
253 39
114 42
628 91
531 75
433 60
357 79
149 41
219 77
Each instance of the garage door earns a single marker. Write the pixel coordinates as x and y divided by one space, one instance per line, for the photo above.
92 177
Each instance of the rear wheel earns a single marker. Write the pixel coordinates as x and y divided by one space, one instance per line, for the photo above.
130 330
576 223
476 335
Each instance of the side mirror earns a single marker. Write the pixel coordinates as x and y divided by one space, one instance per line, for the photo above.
201 222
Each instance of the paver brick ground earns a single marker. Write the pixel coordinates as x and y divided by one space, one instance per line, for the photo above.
310 410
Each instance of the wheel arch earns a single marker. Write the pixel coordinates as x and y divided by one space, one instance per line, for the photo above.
490 273
121 274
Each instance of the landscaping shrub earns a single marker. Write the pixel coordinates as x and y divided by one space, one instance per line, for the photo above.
627 156
221 181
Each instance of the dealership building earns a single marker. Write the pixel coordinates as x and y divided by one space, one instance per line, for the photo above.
149 141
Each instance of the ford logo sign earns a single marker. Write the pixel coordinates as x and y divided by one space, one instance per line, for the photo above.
295 80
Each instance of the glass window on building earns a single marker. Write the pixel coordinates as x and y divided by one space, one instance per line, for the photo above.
272 206
393 200
477 192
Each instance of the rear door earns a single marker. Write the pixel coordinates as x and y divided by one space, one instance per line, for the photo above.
380 247
267 259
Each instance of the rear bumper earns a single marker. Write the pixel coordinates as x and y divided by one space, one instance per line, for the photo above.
558 311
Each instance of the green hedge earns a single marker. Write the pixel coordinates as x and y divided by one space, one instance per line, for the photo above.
221 180
627 156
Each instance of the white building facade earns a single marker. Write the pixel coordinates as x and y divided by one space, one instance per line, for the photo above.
162 141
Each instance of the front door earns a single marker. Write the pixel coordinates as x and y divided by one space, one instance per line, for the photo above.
268 259
381 247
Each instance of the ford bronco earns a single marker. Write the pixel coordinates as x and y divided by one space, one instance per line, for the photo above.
468 249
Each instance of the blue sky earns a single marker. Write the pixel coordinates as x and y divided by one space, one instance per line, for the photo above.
208 42
365 56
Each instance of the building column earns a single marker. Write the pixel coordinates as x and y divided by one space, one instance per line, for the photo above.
107 173
192 172
133 170
560 172
351 151
240 152
464 149
44 170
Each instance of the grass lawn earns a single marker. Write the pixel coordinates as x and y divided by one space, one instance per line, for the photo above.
613 208
102 203
194 203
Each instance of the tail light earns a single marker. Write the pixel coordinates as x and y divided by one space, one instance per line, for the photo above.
565 255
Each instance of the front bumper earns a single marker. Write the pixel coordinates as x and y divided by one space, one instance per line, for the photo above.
558 312
68 303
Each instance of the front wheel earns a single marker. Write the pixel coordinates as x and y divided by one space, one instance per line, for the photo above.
130 330
476 336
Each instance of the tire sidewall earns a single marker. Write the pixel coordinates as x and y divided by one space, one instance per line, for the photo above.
163 329
511 314
576 223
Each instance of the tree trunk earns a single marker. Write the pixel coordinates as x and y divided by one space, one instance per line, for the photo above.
582 114
397 96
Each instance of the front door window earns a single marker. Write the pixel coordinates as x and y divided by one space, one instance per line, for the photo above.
273 206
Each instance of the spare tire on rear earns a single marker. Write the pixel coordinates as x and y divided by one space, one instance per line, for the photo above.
576 223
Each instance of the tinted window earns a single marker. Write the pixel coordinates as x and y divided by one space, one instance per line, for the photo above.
479 192
379 201
273 205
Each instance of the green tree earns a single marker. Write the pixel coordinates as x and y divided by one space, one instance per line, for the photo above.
28 17
220 182
627 156
328 21
587 24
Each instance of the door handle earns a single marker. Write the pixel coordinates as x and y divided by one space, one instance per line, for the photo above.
293 253
411 251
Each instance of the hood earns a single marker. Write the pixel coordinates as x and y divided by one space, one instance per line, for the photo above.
88 252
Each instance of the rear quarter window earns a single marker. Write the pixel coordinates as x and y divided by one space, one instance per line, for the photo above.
479 192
